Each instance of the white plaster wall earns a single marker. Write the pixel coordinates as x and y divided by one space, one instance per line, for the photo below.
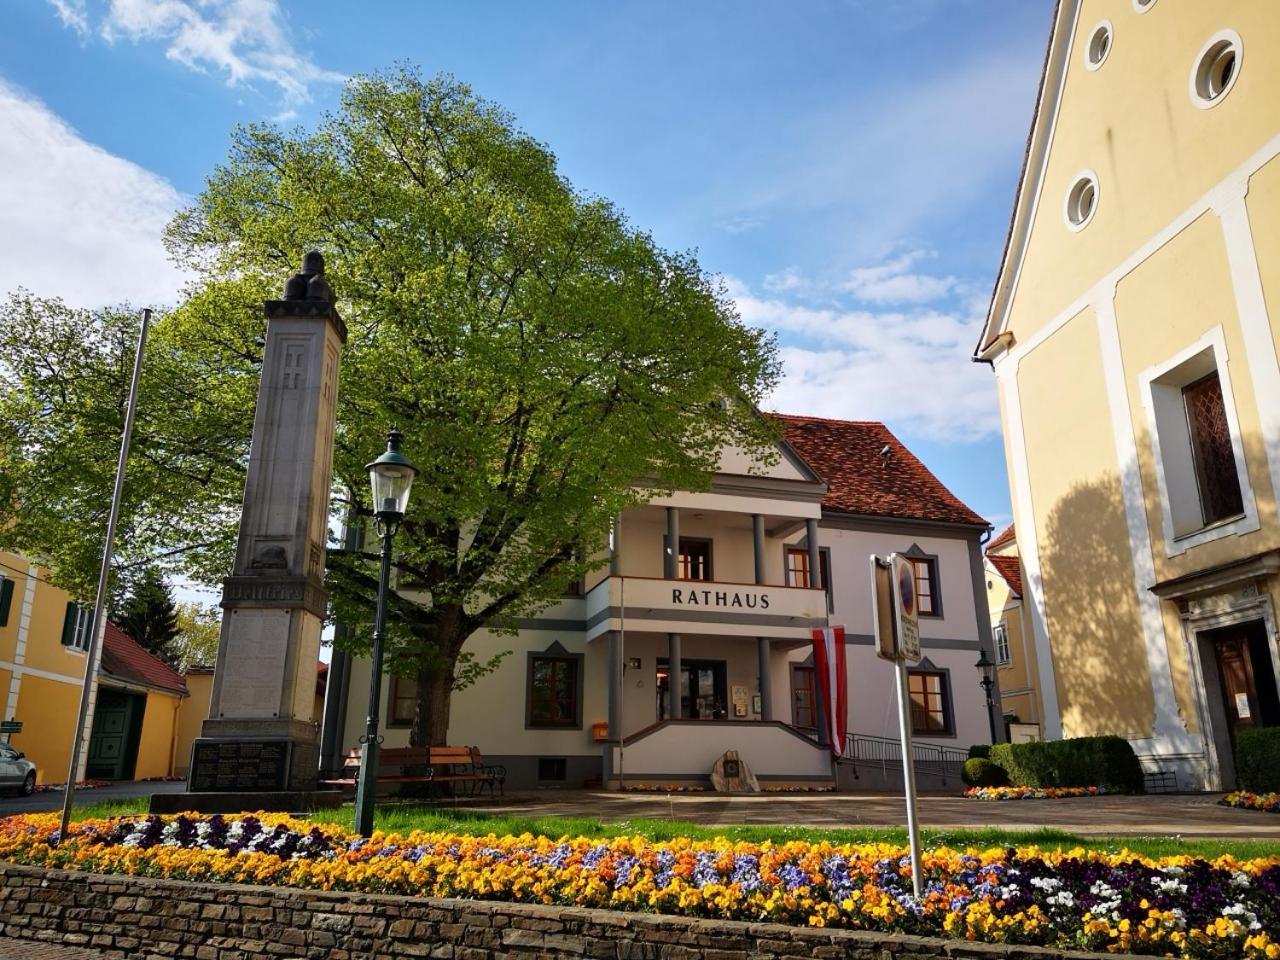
851 577
691 749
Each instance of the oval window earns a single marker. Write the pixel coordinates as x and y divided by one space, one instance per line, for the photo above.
1082 201
1216 69
1099 45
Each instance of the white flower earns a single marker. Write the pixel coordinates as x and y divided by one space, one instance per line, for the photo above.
1047 884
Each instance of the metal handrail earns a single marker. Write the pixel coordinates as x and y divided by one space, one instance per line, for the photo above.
929 757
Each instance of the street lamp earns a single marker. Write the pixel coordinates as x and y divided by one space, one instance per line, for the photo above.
391 477
988 681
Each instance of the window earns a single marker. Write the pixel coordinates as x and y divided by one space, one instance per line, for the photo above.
1001 633
1082 201
797 570
695 559
1199 456
553 769
6 600
930 702
555 690
1216 69
927 599
77 626
1099 46
1215 464
404 701
797 566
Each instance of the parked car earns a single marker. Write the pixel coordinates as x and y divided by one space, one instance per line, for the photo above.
16 771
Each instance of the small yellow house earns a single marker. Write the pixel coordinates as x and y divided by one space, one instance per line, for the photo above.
44 638
1133 338
1012 638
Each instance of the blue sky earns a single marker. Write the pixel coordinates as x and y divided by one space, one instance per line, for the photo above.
847 166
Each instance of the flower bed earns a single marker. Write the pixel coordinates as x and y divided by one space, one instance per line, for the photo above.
1031 793
82 785
1179 905
1247 800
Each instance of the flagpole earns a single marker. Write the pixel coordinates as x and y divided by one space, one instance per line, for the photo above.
98 623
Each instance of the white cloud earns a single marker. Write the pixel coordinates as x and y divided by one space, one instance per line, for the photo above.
910 368
76 221
247 41
894 282
788 279
72 13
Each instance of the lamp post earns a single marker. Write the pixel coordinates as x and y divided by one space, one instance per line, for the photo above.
391 477
987 669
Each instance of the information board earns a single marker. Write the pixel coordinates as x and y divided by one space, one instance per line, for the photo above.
228 766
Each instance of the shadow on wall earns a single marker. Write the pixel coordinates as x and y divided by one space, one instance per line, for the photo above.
1091 612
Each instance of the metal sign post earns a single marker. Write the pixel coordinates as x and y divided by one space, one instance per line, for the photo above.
98 623
894 615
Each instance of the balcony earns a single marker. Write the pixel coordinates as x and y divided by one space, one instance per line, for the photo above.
717 608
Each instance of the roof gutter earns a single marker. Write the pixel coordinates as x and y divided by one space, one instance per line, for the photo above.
1001 344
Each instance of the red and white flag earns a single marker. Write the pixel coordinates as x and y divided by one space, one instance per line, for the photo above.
828 662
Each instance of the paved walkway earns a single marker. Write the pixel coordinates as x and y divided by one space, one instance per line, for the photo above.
1193 815
36 950
1190 815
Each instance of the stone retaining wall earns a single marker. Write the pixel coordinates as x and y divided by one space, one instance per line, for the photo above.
141 917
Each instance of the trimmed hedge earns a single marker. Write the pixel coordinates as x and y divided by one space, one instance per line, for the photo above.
980 750
1258 759
1107 762
981 772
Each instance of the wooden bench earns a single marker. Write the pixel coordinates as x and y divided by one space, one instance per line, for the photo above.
465 765
394 766
462 765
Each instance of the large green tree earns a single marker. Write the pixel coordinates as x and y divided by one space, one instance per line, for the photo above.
548 363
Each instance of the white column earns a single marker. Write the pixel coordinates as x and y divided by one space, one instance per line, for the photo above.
1255 325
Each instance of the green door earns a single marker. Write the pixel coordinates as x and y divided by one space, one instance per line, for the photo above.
117 727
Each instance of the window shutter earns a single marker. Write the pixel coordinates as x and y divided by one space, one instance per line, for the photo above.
69 624
6 600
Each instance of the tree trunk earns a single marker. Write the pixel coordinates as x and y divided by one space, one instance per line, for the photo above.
435 680
420 731
440 694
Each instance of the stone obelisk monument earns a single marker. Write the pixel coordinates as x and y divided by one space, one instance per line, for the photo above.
262 738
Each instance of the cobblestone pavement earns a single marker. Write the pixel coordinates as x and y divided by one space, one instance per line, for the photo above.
1188 815
34 950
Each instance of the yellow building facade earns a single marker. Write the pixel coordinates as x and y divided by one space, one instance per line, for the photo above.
44 638
1013 639
1133 340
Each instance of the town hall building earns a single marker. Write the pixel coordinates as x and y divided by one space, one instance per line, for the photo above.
704 619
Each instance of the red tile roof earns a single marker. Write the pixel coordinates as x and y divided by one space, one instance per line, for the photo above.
849 457
126 659
1006 536
1010 570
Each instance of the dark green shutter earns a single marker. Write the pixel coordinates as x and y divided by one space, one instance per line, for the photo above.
6 600
69 624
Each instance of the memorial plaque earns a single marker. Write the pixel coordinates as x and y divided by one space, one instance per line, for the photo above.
234 766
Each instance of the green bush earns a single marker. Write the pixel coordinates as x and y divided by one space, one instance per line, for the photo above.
982 750
1107 762
981 772
1258 759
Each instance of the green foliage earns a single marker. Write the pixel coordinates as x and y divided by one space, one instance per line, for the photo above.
981 772
197 641
982 750
549 365
1258 759
1107 762
148 614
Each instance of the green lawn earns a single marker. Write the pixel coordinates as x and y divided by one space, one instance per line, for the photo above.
401 818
